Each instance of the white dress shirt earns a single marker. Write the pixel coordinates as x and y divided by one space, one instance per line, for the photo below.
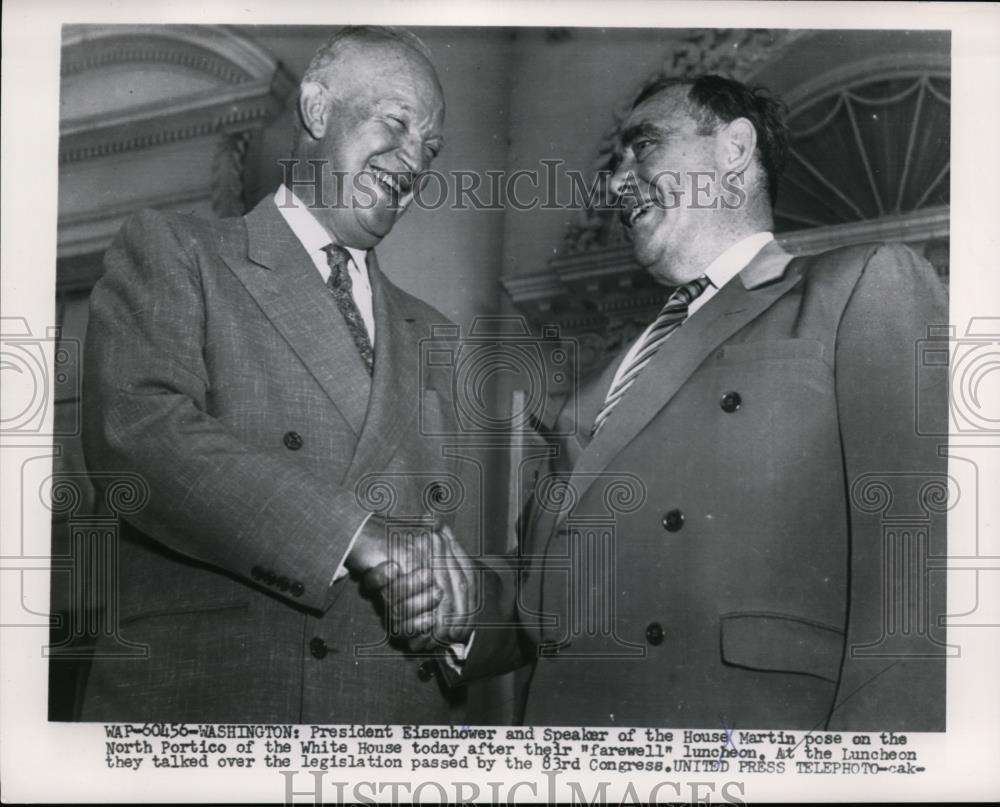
314 237
719 272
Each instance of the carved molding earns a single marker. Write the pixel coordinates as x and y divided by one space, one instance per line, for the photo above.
612 269
604 298
210 49
252 86
865 70
249 106
154 50
918 226
227 175
249 90
92 231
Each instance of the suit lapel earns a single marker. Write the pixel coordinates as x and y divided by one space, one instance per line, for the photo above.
740 301
282 279
393 404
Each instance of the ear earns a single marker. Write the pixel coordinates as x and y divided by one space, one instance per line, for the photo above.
314 108
737 144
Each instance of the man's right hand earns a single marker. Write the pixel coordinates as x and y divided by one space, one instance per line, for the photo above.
431 605
373 547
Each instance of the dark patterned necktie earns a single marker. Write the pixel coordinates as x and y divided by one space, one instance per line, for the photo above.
339 283
667 321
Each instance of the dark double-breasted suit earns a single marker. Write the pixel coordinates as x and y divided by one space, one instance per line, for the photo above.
220 372
723 552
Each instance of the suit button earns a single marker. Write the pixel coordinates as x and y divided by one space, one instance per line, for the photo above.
270 577
318 647
283 583
730 402
257 573
673 520
292 440
297 589
654 633
425 672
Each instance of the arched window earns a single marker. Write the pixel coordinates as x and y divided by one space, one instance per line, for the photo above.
870 159
867 148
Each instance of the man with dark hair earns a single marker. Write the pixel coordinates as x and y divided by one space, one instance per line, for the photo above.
708 551
713 101
260 375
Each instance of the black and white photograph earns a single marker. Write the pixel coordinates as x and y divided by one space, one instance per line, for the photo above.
576 398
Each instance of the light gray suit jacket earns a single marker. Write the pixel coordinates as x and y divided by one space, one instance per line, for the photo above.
219 368
748 540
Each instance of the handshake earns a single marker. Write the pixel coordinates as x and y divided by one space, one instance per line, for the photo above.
425 579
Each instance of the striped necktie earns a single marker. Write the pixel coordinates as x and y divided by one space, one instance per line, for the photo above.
340 284
667 321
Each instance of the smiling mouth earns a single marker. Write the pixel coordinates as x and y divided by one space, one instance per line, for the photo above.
395 183
629 216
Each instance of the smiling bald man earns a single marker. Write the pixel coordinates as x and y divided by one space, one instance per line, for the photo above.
260 374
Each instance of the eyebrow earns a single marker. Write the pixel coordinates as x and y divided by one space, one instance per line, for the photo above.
405 107
409 110
640 130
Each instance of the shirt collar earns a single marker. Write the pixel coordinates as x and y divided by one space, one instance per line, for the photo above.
307 228
736 258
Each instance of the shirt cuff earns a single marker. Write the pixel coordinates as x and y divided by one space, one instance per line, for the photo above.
457 653
342 569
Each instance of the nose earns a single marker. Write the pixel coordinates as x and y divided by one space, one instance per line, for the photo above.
412 154
621 178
